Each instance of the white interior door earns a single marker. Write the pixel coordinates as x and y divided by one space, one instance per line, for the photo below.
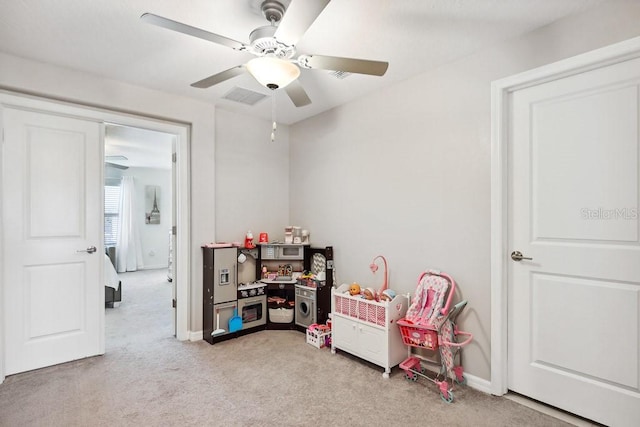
574 327
54 297
172 238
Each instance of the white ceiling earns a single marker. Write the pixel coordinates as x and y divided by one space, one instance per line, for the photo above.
106 38
141 147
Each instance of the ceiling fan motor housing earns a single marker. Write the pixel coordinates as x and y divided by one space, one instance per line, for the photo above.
272 10
264 43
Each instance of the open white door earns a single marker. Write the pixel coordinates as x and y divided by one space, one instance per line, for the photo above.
172 239
574 188
54 298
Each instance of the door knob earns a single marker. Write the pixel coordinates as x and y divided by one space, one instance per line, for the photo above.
90 249
517 256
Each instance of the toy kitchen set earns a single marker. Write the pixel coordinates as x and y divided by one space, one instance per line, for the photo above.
268 285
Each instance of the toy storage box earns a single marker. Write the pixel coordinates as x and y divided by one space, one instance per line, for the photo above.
368 329
317 338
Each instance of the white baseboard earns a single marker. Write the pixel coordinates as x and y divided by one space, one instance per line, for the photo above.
195 336
473 381
478 383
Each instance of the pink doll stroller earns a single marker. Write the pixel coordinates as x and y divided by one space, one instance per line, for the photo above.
430 325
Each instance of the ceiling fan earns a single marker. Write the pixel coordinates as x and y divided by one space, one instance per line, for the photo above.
115 165
276 65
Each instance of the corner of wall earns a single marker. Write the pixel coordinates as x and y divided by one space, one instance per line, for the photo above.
196 336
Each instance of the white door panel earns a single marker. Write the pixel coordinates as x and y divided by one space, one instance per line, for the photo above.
44 284
48 185
52 210
574 323
582 148
579 341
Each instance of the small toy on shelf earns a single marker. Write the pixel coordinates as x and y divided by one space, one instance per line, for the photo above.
385 280
369 294
387 295
307 275
310 280
248 240
354 289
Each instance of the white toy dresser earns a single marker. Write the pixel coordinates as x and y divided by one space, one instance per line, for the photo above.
368 329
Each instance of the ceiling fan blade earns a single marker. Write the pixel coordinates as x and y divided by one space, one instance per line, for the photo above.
169 24
351 65
219 78
297 94
298 18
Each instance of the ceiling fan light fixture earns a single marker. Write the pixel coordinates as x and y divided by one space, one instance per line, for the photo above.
273 73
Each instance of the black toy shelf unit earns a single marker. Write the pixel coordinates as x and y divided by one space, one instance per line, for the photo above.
321 260
224 298
295 303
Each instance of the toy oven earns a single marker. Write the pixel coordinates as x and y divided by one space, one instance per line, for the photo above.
252 307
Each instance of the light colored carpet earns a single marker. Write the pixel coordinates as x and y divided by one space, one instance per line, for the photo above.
270 378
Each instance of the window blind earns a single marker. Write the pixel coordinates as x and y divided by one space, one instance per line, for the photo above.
111 214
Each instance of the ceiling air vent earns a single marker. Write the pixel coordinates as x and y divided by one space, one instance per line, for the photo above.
340 74
244 96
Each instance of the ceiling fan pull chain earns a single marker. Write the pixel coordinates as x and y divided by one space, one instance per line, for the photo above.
273 116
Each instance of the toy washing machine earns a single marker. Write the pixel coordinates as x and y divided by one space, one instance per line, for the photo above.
306 312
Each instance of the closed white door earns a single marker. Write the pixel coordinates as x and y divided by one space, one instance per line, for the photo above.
54 297
574 325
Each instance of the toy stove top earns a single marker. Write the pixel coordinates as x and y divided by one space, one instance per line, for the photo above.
251 289
251 285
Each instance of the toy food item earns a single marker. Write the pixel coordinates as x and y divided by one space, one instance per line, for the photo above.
387 295
369 294
354 289
307 275
248 240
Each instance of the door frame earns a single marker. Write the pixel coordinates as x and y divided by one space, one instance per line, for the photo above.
182 132
501 91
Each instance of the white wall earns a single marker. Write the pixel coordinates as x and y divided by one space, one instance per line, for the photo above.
252 177
405 172
154 238
50 81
